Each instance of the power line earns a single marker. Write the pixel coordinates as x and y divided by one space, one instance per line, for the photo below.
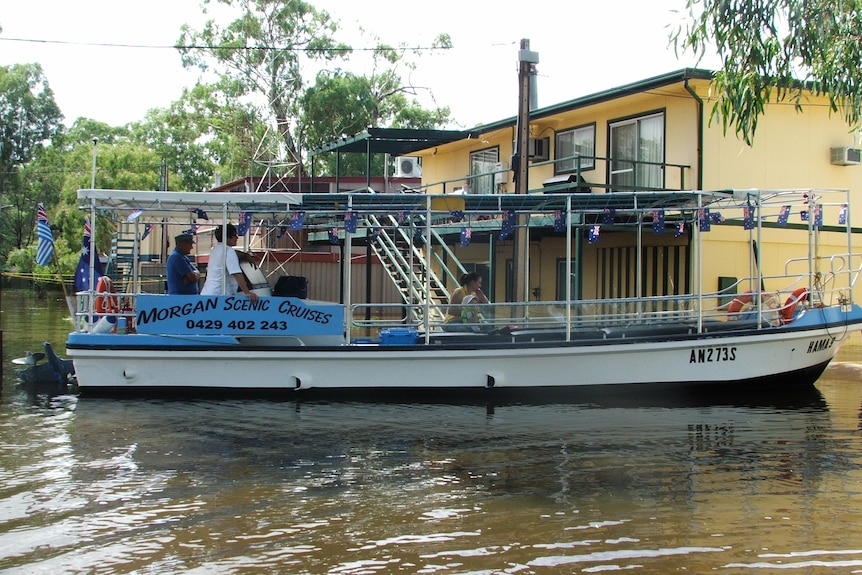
210 47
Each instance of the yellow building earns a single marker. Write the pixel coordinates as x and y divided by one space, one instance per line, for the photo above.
656 134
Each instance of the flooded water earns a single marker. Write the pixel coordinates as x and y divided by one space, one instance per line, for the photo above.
651 485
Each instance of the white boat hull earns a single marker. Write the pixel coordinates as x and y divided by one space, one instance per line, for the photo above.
791 357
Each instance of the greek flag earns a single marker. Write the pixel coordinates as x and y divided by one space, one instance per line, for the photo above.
45 248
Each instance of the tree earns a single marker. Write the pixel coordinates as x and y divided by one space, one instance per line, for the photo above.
201 133
264 50
774 50
342 104
29 118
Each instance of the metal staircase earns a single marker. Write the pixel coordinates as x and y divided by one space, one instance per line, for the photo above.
400 248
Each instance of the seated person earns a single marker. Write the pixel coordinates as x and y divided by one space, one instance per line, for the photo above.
183 276
471 285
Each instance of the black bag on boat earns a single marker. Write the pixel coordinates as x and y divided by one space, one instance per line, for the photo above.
291 286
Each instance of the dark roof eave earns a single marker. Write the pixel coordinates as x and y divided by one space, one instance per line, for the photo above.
394 141
604 96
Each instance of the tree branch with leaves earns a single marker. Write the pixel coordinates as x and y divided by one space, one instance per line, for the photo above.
775 51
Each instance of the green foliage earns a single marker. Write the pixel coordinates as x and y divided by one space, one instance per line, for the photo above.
29 117
263 51
342 104
772 50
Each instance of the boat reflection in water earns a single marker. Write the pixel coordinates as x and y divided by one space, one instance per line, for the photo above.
657 483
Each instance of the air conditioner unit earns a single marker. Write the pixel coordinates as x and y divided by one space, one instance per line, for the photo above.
407 167
846 156
539 149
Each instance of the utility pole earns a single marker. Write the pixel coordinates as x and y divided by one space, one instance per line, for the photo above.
520 165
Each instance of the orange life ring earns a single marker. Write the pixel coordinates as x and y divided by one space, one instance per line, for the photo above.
737 304
106 304
789 308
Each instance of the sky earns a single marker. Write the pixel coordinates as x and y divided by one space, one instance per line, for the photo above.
111 61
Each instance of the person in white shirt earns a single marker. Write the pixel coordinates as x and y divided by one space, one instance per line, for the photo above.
224 276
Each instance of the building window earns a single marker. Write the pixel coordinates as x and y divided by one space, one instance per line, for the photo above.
637 153
484 162
568 143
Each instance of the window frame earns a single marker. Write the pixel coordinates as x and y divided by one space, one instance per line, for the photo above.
638 179
478 177
585 164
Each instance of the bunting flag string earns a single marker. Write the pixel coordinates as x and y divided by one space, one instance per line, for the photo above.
45 247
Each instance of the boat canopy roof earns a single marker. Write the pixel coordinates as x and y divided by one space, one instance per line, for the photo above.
120 203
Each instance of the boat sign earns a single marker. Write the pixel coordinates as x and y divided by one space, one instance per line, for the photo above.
235 315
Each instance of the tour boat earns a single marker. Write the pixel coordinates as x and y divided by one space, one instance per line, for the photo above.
760 331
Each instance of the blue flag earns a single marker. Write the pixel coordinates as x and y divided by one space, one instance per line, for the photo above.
680 229
45 248
457 215
818 216
296 221
704 220
508 224
842 215
608 216
783 214
466 236
244 223
82 272
658 222
350 220
594 234
333 236
747 218
559 224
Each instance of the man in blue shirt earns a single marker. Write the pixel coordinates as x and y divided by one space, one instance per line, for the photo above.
183 276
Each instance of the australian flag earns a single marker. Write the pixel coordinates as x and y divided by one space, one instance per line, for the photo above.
818 216
466 236
457 215
296 221
608 216
508 224
559 221
350 219
147 229
703 220
747 218
45 248
402 216
82 272
680 229
593 236
717 218
658 222
243 224
803 215
842 216
783 214
333 235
